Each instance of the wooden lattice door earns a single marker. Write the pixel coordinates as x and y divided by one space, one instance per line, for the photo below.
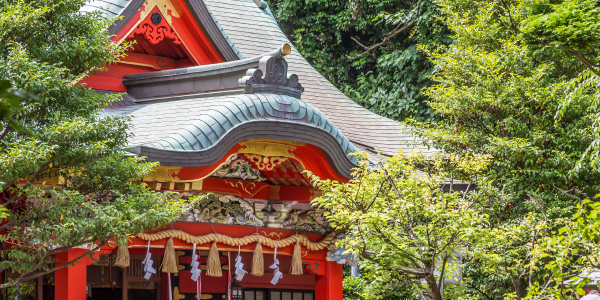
133 276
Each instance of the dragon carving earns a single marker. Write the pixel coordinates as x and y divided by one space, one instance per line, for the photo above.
238 167
229 209
223 210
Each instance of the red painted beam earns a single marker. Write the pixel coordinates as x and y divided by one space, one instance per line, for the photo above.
70 282
330 285
241 188
196 32
302 194
150 61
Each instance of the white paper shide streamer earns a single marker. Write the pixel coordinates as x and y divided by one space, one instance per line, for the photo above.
148 264
275 266
239 267
195 265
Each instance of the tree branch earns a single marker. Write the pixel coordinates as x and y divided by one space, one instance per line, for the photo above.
479 291
585 62
419 272
21 279
5 131
387 37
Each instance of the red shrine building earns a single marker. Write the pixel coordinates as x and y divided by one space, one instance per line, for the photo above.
219 97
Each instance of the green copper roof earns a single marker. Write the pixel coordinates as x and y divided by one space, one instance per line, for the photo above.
210 123
198 131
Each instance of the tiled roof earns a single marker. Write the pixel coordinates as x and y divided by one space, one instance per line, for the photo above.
169 131
111 8
255 32
191 124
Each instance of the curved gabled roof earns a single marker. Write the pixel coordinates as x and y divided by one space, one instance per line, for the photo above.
212 123
206 128
255 32
250 32
189 117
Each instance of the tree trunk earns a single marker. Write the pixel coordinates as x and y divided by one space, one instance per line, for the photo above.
434 289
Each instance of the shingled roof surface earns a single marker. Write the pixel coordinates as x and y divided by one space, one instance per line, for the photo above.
204 125
254 32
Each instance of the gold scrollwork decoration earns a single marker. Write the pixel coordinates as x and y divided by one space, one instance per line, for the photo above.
267 148
248 188
179 267
176 294
266 163
277 234
164 174
164 6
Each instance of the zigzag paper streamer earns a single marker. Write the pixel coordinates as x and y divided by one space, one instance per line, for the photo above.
148 264
195 265
275 266
239 267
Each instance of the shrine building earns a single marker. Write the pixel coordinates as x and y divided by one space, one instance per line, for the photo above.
222 100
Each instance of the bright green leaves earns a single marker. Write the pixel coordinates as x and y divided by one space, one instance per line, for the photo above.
9 104
499 89
570 26
93 191
402 220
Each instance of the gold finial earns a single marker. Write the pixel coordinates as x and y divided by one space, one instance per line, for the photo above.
286 49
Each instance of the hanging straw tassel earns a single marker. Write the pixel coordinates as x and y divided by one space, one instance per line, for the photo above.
213 267
297 260
258 263
122 257
169 264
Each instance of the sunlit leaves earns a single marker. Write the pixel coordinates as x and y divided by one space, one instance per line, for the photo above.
66 178
401 218
498 92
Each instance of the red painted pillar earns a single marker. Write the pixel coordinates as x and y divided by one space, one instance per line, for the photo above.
70 282
329 286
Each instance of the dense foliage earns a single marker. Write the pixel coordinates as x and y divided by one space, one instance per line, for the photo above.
368 49
499 96
519 84
89 192
408 224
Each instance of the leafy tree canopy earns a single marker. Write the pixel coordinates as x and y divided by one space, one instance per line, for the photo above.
46 47
410 224
572 27
368 49
499 89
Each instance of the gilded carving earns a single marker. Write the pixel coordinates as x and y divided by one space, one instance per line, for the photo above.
179 267
267 148
266 163
249 188
277 234
223 210
164 6
238 167
311 220
228 209
176 294
279 141
164 174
